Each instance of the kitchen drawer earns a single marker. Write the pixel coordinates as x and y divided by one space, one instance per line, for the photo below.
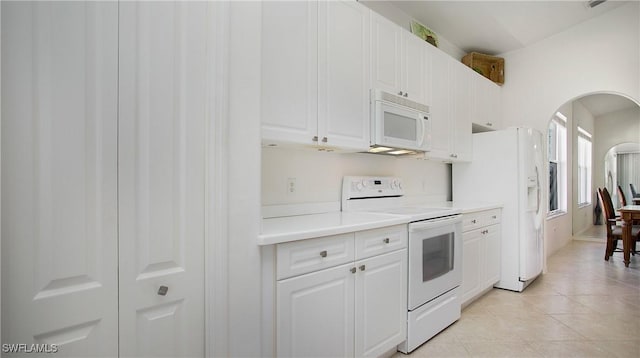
491 217
474 220
378 241
300 257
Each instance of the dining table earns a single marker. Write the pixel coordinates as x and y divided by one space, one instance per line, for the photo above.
628 213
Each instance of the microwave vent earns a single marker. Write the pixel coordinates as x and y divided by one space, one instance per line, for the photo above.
388 97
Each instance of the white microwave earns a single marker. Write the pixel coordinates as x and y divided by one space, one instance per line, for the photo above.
398 125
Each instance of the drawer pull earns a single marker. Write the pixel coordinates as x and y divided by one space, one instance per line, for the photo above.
474 221
494 217
386 240
362 267
323 253
353 270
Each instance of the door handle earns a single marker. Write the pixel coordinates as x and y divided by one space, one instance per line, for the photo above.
162 291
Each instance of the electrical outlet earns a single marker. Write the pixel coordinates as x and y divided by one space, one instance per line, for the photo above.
291 186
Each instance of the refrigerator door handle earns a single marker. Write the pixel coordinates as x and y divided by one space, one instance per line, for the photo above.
538 191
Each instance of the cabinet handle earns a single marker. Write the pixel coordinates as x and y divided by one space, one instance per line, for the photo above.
315 138
323 253
406 94
454 155
489 124
162 291
474 221
353 270
386 240
400 93
362 267
324 139
494 217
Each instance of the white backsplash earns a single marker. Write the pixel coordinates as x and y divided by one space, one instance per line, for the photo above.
318 175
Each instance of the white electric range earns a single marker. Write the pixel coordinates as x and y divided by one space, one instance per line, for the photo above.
434 253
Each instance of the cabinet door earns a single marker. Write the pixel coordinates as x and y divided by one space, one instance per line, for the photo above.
385 54
315 314
289 71
472 273
461 111
59 175
161 177
486 103
343 110
492 255
439 107
381 303
414 62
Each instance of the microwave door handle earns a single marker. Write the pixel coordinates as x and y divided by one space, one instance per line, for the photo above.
421 130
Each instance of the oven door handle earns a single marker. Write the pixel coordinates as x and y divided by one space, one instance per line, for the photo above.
427 224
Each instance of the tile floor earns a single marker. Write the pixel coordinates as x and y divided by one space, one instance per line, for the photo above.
582 307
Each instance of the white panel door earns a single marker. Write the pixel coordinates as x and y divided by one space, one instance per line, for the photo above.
385 54
289 71
414 63
461 111
163 67
381 303
492 255
441 123
315 314
472 271
343 77
59 175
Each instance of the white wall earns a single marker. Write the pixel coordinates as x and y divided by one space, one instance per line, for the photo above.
598 55
318 175
613 129
244 279
582 216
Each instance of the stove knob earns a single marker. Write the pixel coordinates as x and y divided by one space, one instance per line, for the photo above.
394 184
399 185
359 187
364 183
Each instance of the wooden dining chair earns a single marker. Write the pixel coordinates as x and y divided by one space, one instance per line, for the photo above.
621 197
634 194
614 232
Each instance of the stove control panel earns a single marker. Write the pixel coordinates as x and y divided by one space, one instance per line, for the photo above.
371 187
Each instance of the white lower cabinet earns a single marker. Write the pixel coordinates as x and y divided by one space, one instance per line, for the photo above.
481 248
358 308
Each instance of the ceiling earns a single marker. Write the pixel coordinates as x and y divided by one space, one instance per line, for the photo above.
601 104
497 27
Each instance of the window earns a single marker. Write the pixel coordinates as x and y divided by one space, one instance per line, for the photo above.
557 151
584 167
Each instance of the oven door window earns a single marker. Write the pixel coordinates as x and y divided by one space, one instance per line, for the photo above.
437 256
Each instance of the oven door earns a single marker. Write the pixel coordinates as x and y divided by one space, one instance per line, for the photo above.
435 258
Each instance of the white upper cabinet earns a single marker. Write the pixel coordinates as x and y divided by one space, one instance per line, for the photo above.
451 108
399 60
343 76
315 73
290 71
385 54
486 103
461 111
441 124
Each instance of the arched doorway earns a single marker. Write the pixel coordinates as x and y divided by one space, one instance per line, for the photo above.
595 122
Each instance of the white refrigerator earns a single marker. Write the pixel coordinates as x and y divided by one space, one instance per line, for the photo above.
507 168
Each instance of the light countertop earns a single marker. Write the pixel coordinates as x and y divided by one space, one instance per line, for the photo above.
300 227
